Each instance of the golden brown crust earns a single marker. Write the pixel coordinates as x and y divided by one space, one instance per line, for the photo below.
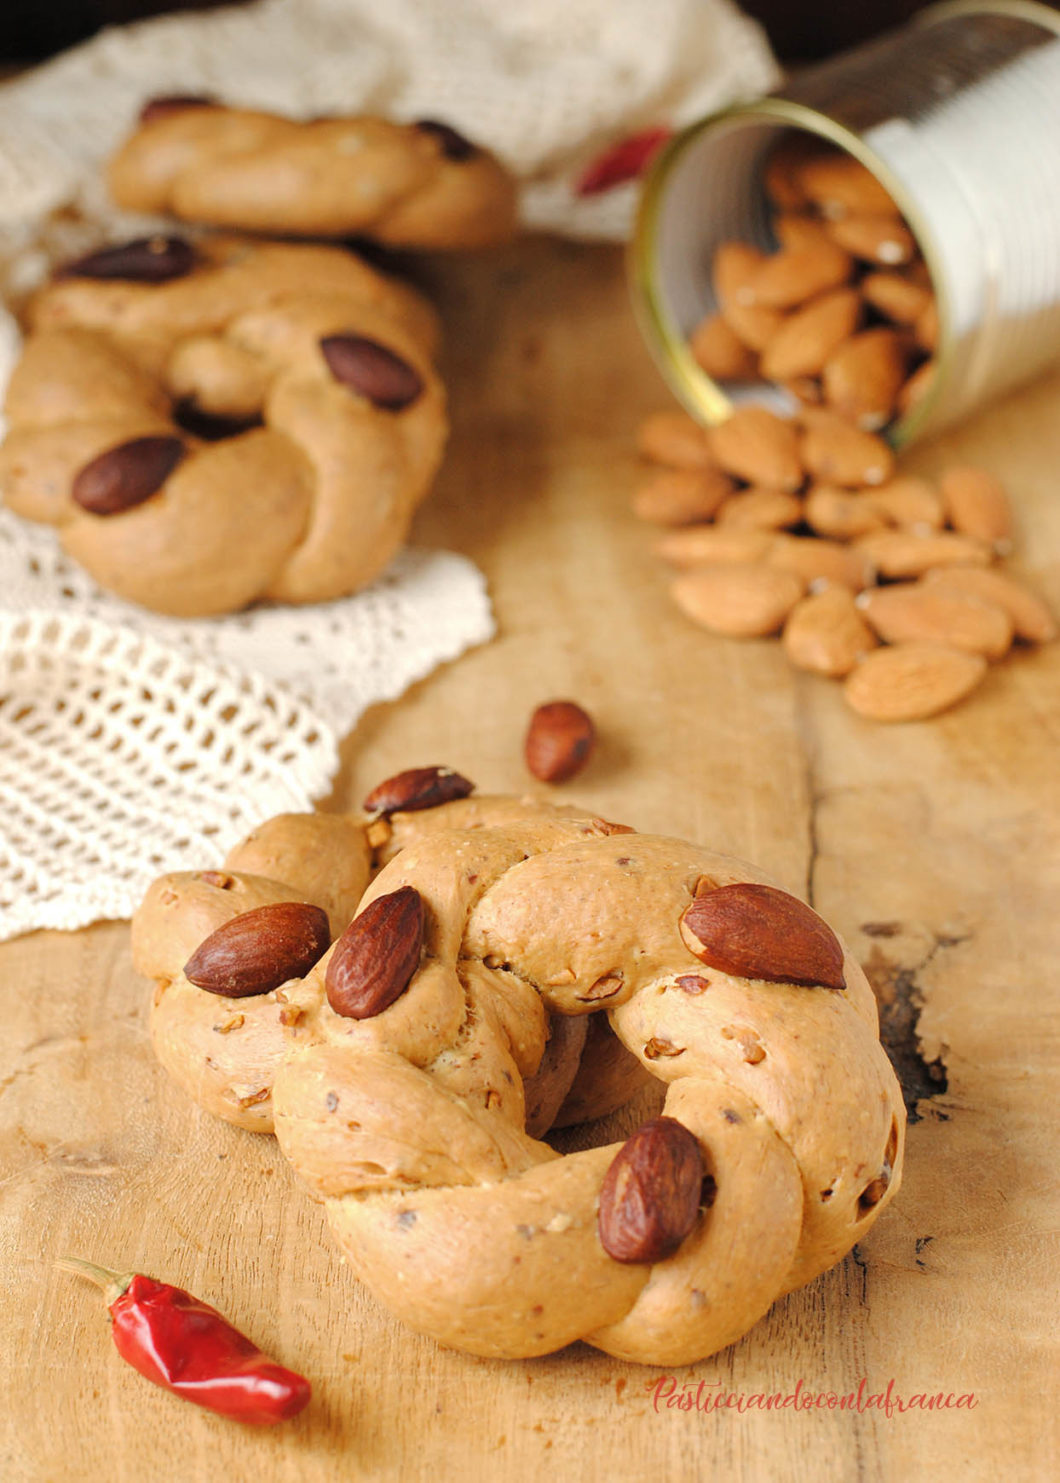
308 507
408 185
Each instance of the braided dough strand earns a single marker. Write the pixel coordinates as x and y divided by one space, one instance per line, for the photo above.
407 185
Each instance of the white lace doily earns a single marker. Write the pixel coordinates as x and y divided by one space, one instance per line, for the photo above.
130 743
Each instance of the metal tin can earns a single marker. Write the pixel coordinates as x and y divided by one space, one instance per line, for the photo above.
958 116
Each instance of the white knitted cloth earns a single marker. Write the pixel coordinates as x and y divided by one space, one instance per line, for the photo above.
132 744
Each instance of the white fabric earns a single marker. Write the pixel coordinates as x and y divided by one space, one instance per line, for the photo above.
130 743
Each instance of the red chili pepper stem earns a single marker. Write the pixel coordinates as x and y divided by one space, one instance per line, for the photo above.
112 1284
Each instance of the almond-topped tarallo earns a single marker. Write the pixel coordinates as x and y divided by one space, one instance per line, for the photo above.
513 967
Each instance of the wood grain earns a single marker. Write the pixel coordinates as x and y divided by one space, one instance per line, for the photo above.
934 847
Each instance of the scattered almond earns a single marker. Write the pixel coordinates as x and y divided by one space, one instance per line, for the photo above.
703 544
841 513
977 504
748 601
681 496
836 453
1031 618
910 682
756 445
760 509
818 561
914 611
916 388
559 741
905 553
908 500
676 439
826 634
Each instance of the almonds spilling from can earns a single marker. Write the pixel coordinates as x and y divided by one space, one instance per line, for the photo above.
841 314
886 581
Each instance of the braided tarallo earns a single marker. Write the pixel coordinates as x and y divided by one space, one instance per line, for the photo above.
419 185
395 1071
138 349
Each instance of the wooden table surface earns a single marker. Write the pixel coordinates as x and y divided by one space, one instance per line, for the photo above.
934 847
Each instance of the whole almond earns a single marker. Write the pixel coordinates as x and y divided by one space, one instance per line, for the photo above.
874 239
755 931
372 370
681 496
748 601
895 296
842 514
733 269
259 950
913 611
807 338
862 378
910 501
719 351
839 186
650 1197
916 388
375 958
907 553
758 446
818 561
826 634
835 452
144 260
1031 618
702 545
977 504
675 439
760 509
795 274
910 682
416 788
753 325
559 741
126 476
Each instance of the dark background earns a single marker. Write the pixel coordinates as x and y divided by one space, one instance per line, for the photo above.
799 30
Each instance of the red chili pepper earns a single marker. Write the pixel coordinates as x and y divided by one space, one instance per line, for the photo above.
189 1348
623 161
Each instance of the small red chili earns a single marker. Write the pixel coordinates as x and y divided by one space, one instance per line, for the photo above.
189 1348
623 161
